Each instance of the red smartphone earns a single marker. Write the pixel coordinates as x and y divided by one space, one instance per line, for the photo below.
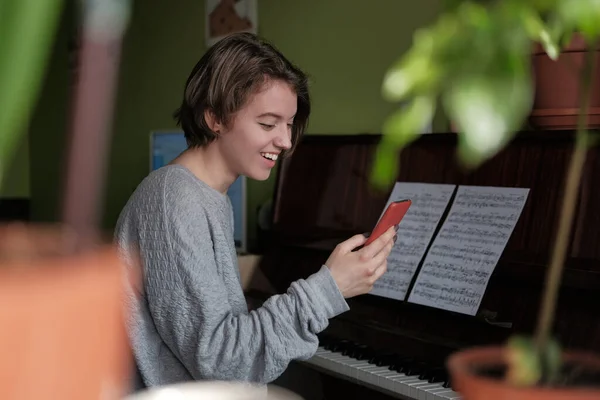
392 216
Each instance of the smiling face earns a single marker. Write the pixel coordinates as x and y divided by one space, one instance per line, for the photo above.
259 132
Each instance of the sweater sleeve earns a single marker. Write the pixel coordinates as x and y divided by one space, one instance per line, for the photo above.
189 305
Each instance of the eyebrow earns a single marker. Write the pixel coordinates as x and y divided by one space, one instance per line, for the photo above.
274 115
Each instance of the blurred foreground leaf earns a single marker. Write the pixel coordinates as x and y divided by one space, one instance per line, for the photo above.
27 30
487 110
527 365
400 129
582 16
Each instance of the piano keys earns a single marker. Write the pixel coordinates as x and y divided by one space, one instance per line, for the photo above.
402 377
323 196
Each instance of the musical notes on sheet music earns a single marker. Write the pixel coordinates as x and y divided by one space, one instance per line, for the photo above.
429 201
463 255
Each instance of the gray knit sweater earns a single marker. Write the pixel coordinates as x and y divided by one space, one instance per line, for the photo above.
188 318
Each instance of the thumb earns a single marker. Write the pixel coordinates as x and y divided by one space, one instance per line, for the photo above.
352 243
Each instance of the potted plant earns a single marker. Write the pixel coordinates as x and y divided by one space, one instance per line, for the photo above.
556 100
61 286
477 60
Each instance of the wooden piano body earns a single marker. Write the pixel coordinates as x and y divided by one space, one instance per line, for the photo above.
323 196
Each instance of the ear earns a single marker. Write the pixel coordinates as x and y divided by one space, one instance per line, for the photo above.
212 122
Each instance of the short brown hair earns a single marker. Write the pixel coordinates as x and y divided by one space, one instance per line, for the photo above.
227 74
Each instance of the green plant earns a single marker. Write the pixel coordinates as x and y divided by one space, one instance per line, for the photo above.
27 30
476 60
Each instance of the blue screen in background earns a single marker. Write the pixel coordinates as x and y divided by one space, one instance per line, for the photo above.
165 146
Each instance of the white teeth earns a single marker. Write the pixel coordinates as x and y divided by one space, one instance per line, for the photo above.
270 156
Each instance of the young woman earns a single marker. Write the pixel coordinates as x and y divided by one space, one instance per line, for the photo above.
244 107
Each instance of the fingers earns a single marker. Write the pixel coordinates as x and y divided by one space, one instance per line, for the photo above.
380 271
379 244
384 253
379 259
352 243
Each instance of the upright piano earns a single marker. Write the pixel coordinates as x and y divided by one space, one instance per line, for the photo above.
384 348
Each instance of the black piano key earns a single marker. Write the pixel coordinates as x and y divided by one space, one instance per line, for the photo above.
447 383
340 346
383 359
348 347
334 345
368 354
357 351
399 364
437 374
427 373
416 368
405 368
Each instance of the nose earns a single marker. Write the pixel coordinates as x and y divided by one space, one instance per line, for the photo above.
283 140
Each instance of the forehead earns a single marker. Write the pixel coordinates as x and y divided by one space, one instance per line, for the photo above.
275 97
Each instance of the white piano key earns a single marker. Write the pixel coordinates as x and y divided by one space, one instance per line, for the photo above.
406 385
384 377
357 373
433 394
316 360
450 394
414 388
341 364
350 366
400 383
333 356
373 378
424 390
390 381
347 367
361 374
380 377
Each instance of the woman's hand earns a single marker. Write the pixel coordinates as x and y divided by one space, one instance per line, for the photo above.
355 272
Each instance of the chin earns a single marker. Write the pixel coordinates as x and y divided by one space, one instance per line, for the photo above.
259 175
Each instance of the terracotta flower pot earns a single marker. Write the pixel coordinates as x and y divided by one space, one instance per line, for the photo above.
556 103
465 367
62 330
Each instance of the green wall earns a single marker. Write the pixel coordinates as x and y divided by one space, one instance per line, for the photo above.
345 46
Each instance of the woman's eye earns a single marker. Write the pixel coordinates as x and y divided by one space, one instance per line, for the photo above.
267 126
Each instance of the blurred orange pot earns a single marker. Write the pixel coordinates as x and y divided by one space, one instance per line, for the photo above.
466 368
62 330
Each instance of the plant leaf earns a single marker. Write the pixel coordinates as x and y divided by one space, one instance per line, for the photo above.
539 32
385 165
524 367
582 16
408 122
27 30
413 72
487 110
400 129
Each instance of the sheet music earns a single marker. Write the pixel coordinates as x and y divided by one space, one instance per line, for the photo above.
463 256
429 201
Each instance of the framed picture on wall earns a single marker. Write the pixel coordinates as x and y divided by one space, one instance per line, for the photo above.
223 17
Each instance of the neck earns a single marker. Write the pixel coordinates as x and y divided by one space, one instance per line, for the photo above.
208 166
